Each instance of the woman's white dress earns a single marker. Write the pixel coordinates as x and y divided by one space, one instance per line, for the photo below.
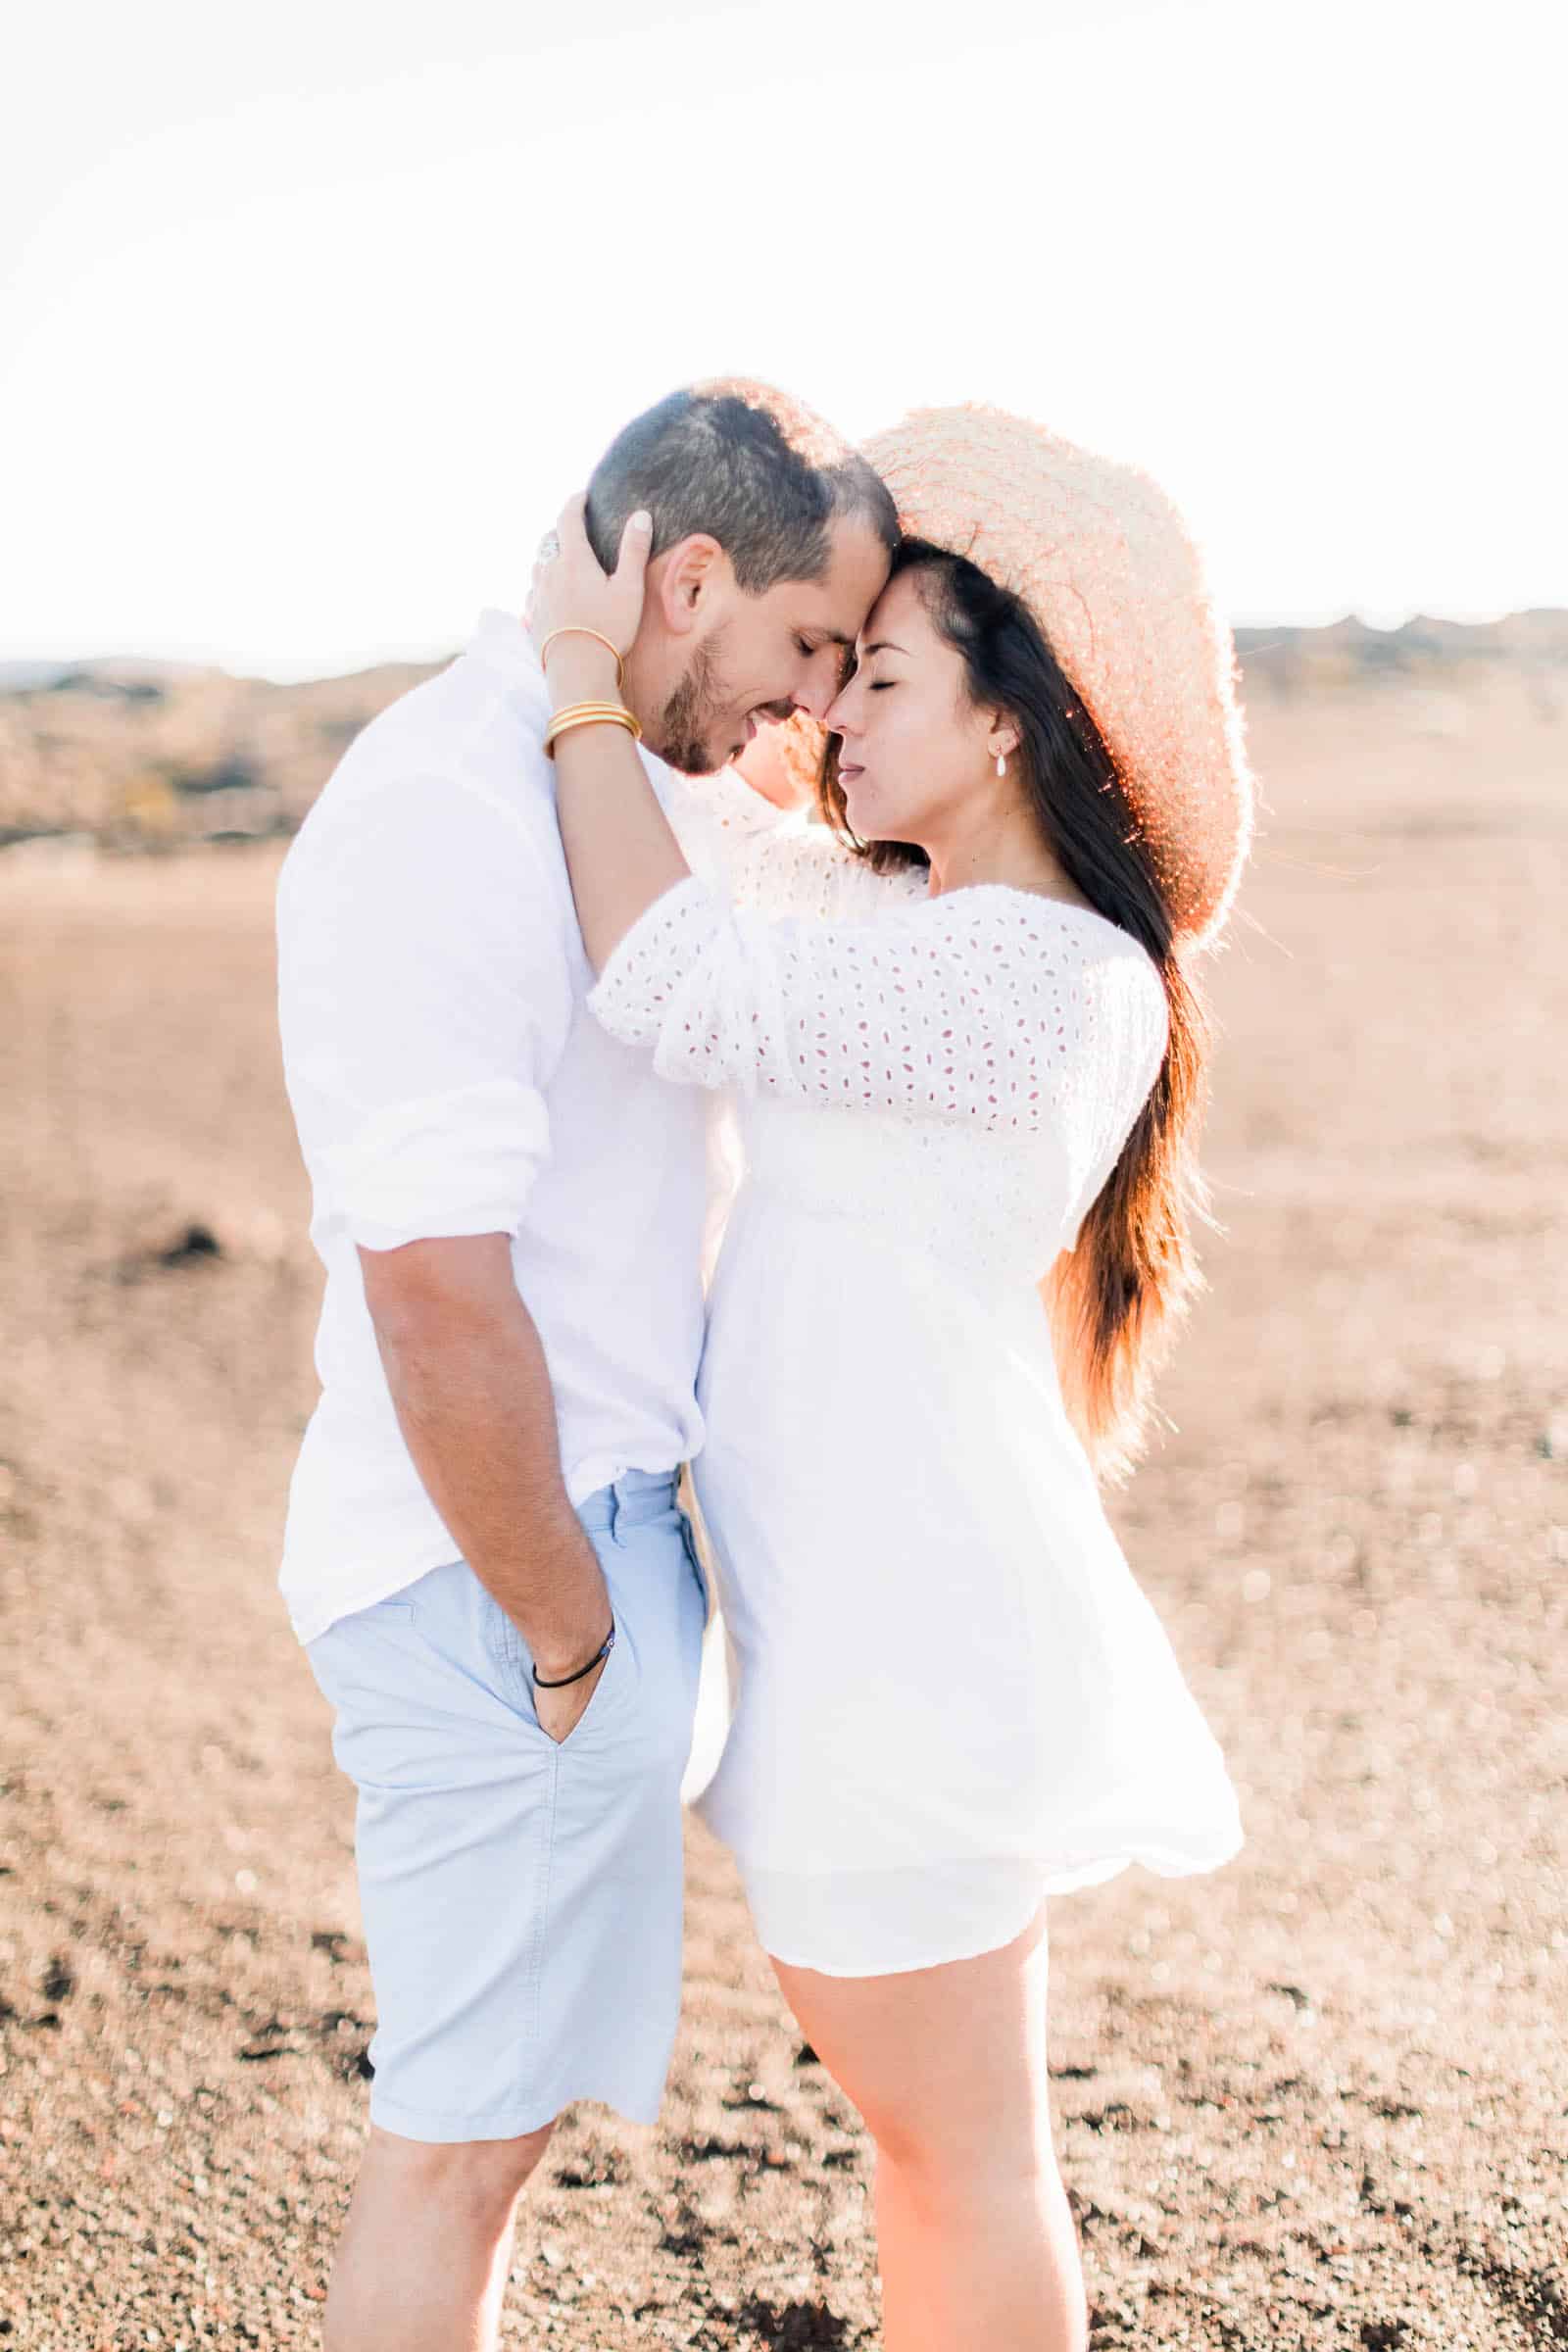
952 1697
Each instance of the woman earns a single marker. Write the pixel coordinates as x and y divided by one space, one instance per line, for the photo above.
953 1700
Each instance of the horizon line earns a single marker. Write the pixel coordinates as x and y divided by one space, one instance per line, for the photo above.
310 669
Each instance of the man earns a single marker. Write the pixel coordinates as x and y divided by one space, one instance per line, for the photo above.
484 1556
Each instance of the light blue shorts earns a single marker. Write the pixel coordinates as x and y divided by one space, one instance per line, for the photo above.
521 1900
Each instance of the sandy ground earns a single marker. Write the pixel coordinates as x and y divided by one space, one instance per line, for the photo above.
1320 2099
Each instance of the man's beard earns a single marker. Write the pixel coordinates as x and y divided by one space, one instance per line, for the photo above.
689 714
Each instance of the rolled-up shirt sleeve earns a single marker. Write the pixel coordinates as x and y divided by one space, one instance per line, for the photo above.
424 1000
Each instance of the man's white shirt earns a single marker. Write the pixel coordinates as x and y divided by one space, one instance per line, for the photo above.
445 1079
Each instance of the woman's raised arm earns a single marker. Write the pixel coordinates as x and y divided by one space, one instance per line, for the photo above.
621 852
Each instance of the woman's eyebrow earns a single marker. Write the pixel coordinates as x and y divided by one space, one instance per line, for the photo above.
885 645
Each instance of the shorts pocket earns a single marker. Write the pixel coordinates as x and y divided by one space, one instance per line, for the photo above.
603 1702
372 1651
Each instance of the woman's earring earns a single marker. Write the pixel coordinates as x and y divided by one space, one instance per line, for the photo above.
1002 764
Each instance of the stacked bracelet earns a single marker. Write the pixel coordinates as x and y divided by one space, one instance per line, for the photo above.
590 714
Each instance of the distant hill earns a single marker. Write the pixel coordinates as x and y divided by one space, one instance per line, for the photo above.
139 755
1348 650
145 756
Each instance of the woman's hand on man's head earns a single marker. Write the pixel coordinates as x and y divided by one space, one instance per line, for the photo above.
572 592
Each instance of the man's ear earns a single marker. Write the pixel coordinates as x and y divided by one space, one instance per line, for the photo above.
685 580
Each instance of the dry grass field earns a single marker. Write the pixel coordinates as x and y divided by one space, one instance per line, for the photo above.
1318 2100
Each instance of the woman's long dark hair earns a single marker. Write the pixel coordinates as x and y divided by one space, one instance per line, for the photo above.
1115 1299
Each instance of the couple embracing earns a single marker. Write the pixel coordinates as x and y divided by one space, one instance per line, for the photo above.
540 925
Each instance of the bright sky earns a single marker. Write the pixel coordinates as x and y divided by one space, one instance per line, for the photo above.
312 313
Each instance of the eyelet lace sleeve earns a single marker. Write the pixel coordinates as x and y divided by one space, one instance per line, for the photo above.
989 1007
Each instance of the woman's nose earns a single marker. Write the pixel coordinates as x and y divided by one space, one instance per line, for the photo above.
839 716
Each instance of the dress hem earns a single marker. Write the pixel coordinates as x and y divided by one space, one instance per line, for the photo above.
910 1968
1051 1883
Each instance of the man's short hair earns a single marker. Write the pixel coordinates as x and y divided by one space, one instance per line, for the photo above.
750 466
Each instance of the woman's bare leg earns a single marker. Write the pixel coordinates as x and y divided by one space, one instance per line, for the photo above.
947 2065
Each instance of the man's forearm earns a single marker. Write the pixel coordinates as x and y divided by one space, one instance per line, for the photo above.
472 1390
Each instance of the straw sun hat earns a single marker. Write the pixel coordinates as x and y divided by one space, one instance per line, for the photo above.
1104 563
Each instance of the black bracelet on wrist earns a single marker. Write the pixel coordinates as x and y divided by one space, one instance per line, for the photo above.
597 1659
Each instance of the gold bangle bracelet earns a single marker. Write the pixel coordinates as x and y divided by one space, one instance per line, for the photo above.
590 714
587 718
577 629
587 710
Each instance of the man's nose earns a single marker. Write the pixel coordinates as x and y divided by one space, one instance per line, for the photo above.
815 695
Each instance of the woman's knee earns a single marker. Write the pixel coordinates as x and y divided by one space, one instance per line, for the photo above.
952 2164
